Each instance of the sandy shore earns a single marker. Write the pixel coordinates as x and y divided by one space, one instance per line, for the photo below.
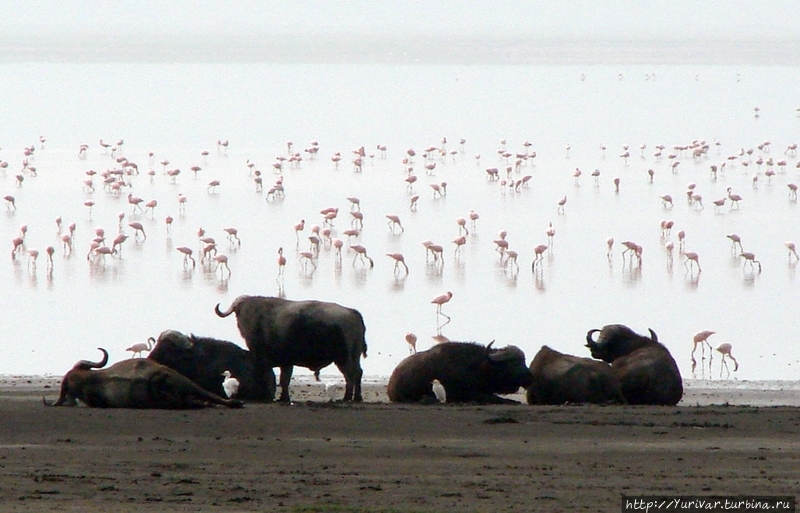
381 457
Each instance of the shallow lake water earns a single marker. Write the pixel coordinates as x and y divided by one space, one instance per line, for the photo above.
53 318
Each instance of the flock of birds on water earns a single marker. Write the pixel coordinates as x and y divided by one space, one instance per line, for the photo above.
510 176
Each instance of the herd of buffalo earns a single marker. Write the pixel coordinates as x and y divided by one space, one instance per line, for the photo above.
184 371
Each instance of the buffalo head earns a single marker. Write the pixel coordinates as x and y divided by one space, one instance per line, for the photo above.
616 340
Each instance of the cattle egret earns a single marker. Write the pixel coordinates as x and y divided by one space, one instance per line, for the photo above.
230 384
139 347
439 391
330 390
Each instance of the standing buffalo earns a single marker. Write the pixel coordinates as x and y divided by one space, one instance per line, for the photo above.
469 373
204 360
311 334
645 369
559 378
135 383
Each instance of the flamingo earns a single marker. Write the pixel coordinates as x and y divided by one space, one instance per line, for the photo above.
462 226
138 228
398 259
133 200
701 337
792 249
538 251
751 259
187 255
735 198
139 347
281 262
440 300
10 202
691 259
666 198
361 251
561 203
299 228
725 349
413 205
792 191
551 233
473 217
306 257
222 261
411 339
610 246
459 241
394 221
233 234
355 203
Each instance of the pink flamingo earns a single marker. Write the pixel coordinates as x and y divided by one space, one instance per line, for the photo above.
413 205
551 233
398 259
187 255
168 221
139 347
133 200
307 257
725 349
792 249
281 262
299 227
222 261
118 240
440 300
610 246
459 242
538 252
462 225
138 228
211 188
411 339
735 198
233 235
751 259
394 221
691 259
701 337
561 203
361 251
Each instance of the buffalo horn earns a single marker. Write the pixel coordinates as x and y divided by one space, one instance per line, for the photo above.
589 340
223 314
86 364
653 335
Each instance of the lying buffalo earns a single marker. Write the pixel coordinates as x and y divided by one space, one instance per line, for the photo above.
203 360
469 373
560 378
645 369
135 383
312 334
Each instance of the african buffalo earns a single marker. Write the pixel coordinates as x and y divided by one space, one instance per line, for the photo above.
204 360
312 334
469 372
560 378
135 383
646 371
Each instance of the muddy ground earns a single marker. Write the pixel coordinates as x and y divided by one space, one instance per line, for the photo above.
379 457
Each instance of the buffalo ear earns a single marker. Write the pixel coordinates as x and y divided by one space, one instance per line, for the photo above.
653 335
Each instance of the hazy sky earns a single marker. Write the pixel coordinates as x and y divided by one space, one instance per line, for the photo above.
613 19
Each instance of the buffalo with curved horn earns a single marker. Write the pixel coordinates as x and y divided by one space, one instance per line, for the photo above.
469 372
204 360
560 378
646 371
312 334
134 383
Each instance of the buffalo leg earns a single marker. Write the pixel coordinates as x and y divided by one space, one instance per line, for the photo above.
352 375
286 377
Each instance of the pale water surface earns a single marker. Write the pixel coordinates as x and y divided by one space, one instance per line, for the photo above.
177 109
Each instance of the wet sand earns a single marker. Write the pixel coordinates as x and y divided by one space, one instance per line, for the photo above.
376 456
